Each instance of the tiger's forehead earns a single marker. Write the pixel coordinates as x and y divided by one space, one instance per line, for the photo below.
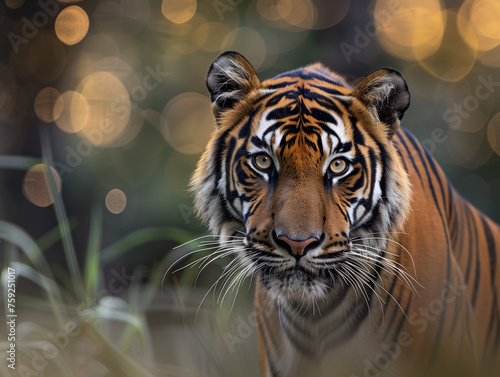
316 77
296 112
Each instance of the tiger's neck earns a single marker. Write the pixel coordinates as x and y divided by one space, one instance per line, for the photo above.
315 328
297 340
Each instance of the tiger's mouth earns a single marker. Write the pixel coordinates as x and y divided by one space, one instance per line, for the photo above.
296 275
297 282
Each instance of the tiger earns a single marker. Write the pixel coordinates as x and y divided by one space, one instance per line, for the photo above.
366 260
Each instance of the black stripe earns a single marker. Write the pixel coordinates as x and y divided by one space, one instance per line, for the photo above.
395 308
403 318
491 252
282 84
264 324
458 230
476 251
471 234
494 317
424 160
322 116
410 156
327 90
306 74
402 159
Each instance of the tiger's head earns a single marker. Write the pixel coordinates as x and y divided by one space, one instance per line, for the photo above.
300 177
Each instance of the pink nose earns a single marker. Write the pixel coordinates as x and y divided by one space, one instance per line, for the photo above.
297 246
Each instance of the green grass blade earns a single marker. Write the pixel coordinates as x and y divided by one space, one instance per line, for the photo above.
18 162
140 237
47 284
18 237
62 219
50 238
119 363
91 271
135 301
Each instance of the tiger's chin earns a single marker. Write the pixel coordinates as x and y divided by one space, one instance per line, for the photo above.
297 287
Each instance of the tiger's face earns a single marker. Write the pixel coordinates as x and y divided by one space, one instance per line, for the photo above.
302 171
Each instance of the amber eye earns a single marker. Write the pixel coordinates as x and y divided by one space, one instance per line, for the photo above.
262 161
338 166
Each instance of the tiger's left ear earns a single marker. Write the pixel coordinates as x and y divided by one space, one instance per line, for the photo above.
386 95
230 78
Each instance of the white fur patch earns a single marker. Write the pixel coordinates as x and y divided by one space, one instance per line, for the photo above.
377 191
267 91
264 124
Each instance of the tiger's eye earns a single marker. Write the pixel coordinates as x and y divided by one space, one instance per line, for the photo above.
262 161
338 166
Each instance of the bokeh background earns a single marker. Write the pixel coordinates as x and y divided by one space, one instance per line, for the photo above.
103 115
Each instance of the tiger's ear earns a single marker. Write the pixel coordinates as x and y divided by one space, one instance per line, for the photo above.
229 79
386 95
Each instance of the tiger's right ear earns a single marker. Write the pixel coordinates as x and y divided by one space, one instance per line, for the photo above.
229 79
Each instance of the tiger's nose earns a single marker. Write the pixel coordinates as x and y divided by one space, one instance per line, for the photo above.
298 247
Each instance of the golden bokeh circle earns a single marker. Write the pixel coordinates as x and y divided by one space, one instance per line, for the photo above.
109 108
14 4
249 43
44 104
71 112
455 58
412 30
478 24
36 188
485 16
209 36
187 122
302 14
299 13
269 9
494 133
72 25
178 11
127 75
116 201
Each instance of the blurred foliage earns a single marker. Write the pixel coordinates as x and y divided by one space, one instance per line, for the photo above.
104 113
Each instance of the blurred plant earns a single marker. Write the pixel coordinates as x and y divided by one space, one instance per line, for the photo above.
80 339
